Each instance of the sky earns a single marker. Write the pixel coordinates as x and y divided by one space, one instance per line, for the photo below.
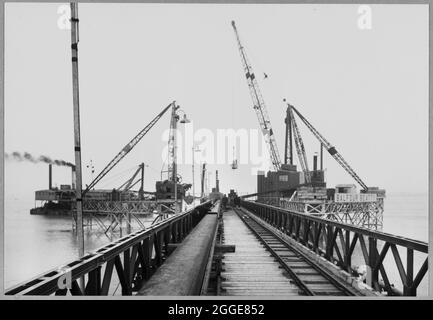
365 90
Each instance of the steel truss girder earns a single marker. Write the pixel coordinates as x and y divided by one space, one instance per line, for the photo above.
363 214
337 242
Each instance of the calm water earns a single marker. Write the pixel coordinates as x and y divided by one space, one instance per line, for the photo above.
35 244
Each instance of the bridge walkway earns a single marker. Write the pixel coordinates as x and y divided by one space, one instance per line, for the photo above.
251 270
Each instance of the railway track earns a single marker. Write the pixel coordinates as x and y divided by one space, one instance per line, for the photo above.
302 274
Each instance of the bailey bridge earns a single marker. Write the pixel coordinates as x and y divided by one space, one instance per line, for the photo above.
251 249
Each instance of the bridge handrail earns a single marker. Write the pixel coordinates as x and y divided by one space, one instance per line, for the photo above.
158 234
298 226
379 235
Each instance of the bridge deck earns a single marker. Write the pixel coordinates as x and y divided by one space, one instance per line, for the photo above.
251 269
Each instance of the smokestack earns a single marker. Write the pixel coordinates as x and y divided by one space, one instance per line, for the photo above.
74 178
315 162
217 185
321 157
50 176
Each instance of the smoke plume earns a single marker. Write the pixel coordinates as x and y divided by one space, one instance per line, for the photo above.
16 156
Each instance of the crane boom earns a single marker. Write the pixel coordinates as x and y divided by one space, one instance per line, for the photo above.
300 149
128 184
331 149
131 144
259 105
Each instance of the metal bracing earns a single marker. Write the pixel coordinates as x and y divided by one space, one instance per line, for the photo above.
110 215
103 207
363 214
132 260
339 242
259 105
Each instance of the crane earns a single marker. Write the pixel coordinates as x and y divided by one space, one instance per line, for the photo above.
171 163
331 149
259 105
288 147
300 149
131 144
127 185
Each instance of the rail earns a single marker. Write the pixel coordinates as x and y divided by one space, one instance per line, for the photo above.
336 242
135 257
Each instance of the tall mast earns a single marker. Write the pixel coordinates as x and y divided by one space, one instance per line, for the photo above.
171 163
288 150
77 139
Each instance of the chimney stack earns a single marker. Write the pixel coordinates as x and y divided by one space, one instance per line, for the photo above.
217 186
50 176
321 157
315 162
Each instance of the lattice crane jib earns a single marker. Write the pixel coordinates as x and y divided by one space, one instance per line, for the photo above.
259 105
331 149
300 148
131 144
171 162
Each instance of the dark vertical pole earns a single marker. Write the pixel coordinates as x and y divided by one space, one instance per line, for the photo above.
50 176
141 191
77 148
203 172
286 144
407 288
315 162
217 182
174 174
193 178
372 275
290 141
288 151
321 157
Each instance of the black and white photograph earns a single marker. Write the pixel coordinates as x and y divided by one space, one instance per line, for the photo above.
215 150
